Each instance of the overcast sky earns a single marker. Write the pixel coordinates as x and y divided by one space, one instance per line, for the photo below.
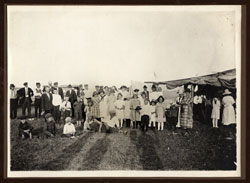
110 45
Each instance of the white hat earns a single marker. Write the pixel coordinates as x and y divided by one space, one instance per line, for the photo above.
226 92
68 119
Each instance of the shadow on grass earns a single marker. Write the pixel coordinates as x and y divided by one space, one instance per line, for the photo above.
146 150
95 154
62 161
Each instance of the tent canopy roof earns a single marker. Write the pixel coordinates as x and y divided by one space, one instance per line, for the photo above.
226 79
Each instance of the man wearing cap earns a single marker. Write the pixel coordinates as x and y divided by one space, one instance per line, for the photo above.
145 91
46 101
50 87
13 102
59 90
97 88
72 98
38 96
25 94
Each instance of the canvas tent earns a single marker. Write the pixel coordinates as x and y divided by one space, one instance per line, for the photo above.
226 79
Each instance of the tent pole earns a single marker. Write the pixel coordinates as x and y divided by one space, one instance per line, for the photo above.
192 93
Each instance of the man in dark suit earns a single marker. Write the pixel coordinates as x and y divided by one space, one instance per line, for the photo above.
13 102
60 90
25 95
72 98
46 101
38 95
145 91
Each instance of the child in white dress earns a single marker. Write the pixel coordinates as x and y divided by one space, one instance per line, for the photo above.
120 106
215 112
103 105
160 112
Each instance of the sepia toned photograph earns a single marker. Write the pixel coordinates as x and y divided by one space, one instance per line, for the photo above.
124 91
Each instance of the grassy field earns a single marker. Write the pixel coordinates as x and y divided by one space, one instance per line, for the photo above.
204 148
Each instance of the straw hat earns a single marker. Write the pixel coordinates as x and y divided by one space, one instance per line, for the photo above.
68 119
226 91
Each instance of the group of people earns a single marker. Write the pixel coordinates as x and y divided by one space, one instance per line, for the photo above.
214 109
114 108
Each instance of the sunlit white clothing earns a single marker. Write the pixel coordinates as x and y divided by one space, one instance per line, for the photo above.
111 122
69 128
228 116
119 104
56 100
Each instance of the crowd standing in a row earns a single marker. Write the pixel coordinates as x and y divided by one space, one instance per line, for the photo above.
112 107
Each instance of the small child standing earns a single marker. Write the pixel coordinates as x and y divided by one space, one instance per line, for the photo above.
145 115
135 106
215 112
120 106
66 107
24 128
78 110
160 112
127 112
152 114
89 116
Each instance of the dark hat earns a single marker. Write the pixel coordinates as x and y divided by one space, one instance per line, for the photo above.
97 86
136 90
48 115
145 86
153 86
69 86
37 83
123 86
22 117
25 83
138 108
55 83
12 85
152 101
160 97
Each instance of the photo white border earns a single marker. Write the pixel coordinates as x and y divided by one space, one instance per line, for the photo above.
144 174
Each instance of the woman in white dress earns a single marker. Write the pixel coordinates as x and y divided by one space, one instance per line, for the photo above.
228 116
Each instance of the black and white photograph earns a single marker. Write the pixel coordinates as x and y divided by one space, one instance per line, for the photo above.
124 91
